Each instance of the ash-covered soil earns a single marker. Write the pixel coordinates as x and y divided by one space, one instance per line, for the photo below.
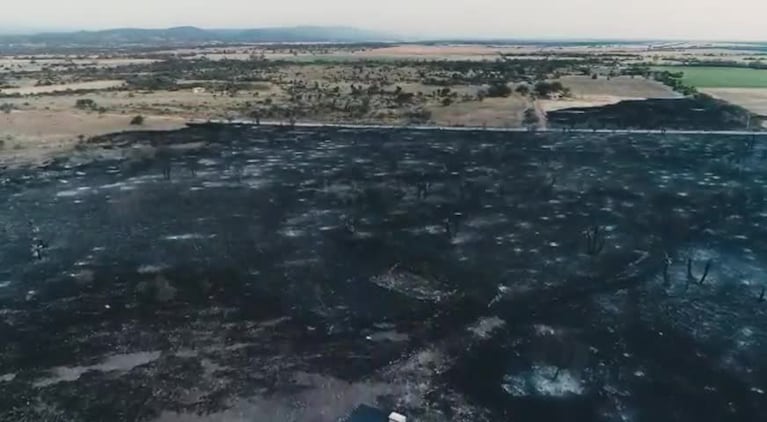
230 273
691 113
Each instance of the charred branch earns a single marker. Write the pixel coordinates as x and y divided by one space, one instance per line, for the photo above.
705 272
666 265
691 277
595 241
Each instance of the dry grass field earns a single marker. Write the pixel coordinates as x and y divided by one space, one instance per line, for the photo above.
588 92
33 137
752 99
492 112
30 89
619 86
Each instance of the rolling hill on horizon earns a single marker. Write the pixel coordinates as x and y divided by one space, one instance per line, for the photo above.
190 35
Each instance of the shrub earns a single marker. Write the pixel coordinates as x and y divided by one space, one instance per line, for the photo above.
86 104
498 89
531 117
523 90
152 83
137 120
546 89
418 115
674 80
404 98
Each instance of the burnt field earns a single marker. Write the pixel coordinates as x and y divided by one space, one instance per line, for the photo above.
698 113
229 273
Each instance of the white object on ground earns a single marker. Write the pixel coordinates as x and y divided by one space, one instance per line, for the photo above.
396 417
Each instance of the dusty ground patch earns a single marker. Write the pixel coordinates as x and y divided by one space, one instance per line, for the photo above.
582 101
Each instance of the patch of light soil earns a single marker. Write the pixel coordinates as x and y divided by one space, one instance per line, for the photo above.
317 398
189 236
485 326
392 336
122 363
543 381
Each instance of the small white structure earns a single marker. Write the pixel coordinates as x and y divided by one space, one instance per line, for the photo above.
396 417
198 90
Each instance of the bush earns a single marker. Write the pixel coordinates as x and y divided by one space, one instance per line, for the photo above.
137 121
523 90
531 117
404 98
546 89
498 89
418 116
675 81
152 83
86 104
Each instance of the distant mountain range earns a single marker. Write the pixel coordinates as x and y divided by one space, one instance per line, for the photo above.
192 35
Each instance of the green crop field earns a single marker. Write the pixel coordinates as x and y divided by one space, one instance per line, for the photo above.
720 77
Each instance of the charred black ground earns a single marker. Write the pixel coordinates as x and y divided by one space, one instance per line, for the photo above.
700 112
244 273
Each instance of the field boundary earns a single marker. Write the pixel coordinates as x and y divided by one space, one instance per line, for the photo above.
247 122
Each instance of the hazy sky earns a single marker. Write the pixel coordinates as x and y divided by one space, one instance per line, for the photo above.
684 19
